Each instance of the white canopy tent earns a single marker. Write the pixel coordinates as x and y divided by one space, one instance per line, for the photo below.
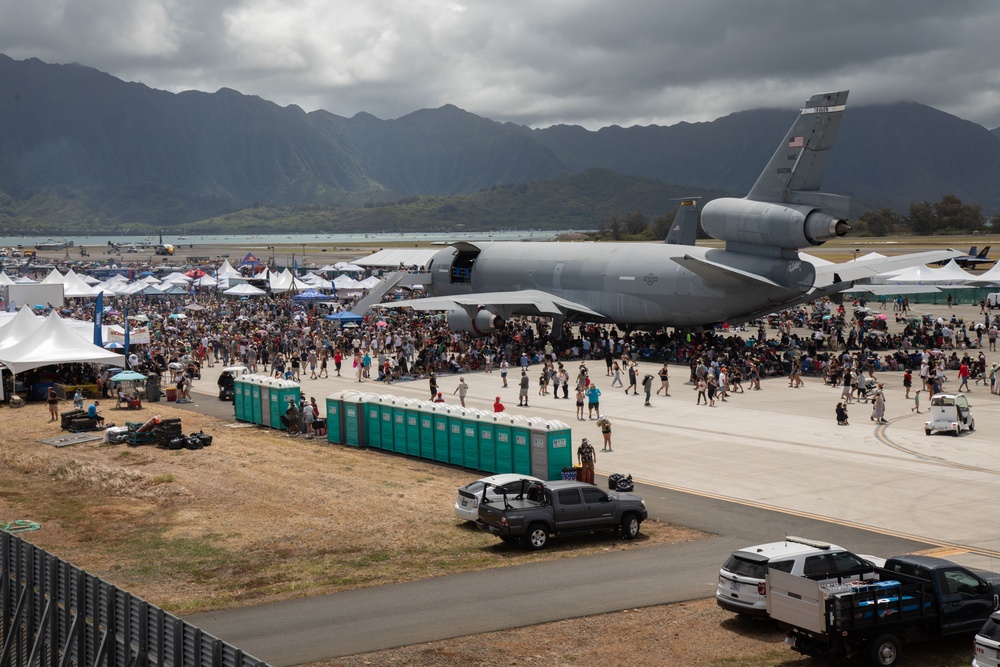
20 327
54 342
244 290
991 277
227 270
951 273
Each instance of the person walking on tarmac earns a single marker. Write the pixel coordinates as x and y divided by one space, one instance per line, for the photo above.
587 457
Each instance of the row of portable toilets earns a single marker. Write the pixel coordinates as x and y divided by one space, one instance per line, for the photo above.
259 399
477 439
494 442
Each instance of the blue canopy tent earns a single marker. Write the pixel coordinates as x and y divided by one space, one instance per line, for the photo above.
310 295
344 316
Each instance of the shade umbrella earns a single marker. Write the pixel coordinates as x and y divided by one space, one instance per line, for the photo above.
194 307
178 316
381 323
128 376
195 273
114 346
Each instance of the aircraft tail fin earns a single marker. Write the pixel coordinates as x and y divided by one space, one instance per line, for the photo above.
800 160
983 254
684 229
972 252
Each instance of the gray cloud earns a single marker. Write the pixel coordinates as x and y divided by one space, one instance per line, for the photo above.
538 63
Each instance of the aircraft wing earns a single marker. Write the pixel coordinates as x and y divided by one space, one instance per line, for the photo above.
720 274
504 304
864 269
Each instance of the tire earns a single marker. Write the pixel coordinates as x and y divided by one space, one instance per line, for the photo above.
957 431
927 431
536 537
972 425
630 526
884 651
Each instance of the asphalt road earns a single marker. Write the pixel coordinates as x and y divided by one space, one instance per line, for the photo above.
324 627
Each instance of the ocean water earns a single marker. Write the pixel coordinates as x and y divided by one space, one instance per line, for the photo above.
286 239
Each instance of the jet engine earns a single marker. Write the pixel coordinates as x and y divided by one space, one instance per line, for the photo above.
788 226
483 323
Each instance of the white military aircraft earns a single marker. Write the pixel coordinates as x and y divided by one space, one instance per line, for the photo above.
481 285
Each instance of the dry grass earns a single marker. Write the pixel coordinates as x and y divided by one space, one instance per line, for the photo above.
255 517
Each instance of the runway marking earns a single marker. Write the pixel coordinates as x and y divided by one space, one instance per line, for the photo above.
943 545
881 436
940 552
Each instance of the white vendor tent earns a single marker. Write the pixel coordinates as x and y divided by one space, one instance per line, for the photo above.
20 327
244 290
227 270
54 342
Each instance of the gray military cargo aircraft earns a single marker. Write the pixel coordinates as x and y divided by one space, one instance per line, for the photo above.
481 285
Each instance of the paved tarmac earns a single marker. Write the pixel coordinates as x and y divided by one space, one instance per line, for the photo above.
762 464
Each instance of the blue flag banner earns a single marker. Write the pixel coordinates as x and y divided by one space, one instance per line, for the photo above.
99 320
125 315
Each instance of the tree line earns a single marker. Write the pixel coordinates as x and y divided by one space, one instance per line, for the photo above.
950 215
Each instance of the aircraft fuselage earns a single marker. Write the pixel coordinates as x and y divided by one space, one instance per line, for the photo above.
630 283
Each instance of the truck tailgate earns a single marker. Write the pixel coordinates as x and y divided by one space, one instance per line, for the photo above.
797 601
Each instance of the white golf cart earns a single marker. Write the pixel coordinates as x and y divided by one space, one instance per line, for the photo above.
950 412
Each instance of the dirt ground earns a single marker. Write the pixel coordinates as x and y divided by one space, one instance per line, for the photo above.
255 517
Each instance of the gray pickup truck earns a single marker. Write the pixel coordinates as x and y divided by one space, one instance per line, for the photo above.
556 508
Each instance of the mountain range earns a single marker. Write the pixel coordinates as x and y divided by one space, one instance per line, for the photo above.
80 148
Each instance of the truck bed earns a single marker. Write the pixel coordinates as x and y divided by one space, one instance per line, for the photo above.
846 608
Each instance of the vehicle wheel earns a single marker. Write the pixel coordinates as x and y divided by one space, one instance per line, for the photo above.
630 526
536 537
957 431
927 431
972 424
884 651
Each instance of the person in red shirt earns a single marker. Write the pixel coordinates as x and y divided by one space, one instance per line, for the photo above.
497 405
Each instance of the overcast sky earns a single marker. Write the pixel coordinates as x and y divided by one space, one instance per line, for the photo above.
539 63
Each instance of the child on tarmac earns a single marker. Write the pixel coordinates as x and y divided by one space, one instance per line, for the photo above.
916 403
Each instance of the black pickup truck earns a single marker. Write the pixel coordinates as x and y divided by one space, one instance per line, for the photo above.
912 597
555 508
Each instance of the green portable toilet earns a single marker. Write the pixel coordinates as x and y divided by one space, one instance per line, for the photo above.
334 410
470 438
275 409
238 398
399 409
486 427
503 438
440 415
413 426
551 448
373 421
265 401
248 381
456 450
385 414
425 423
255 399
352 418
287 391
521 445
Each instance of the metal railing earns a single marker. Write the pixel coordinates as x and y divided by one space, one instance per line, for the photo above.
53 614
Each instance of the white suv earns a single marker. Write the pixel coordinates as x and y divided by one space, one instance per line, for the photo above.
987 651
742 587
